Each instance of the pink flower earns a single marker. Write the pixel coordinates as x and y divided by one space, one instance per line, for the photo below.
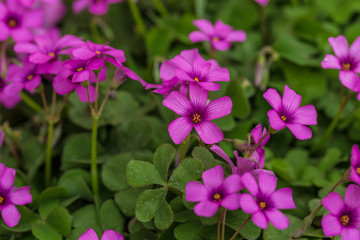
19 78
189 67
287 113
96 7
17 21
344 218
262 2
355 164
346 60
220 36
9 101
264 201
29 3
90 234
11 196
197 114
214 193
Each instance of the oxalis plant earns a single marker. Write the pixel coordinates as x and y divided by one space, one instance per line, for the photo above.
200 131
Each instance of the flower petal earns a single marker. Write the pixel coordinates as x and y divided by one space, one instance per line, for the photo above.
221 45
218 108
198 96
179 129
90 234
112 235
196 192
178 103
333 203
39 58
198 36
290 101
218 75
21 35
352 196
7 179
340 46
33 83
231 202
305 115
282 199
83 53
82 93
11 215
248 204
277 218
354 51
213 178
209 132
20 196
216 149
204 26
5 32
267 183
331 225
236 36
349 79
260 220
331 62
355 155
167 70
250 183
275 121
25 48
350 233
33 18
206 209
301 132
232 184
209 86
273 98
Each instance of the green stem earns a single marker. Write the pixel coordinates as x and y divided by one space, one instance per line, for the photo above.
31 103
137 17
94 173
223 225
219 224
239 229
160 7
95 35
48 153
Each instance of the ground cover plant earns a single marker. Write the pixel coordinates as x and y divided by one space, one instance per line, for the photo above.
187 120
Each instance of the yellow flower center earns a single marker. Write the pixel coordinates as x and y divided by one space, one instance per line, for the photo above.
217 197
215 39
196 79
30 77
1 200
262 205
283 118
344 220
51 54
346 66
196 118
79 69
12 23
97 52
358 170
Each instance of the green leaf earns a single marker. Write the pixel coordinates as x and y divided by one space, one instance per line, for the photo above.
148 203
60 220
189 169
27 220
234 219
158 41
42 231
271 233
50 199
141 173
331 158
85 218
188 231
111 217
162 159
241 106
113 173
126 200
77 182
205 156
282 168
163 216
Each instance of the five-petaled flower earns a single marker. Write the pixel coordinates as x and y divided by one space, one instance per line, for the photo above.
264 201
215 193
346 60
197 114
11 196
287 113
344 217
220 35
90 234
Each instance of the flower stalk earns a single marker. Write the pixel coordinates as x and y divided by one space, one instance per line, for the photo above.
137 17
241 227
48 162
94 172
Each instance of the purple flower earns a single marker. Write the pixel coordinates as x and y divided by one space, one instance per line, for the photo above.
257 133
26 77
97 7
355 164
196 113
17 21
220 36
189 67
47 48
9 101
264 201
262 2
287 113
54 11
214 193
344 218
29 3
1 137
346 60
90 234
167 87
11 196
